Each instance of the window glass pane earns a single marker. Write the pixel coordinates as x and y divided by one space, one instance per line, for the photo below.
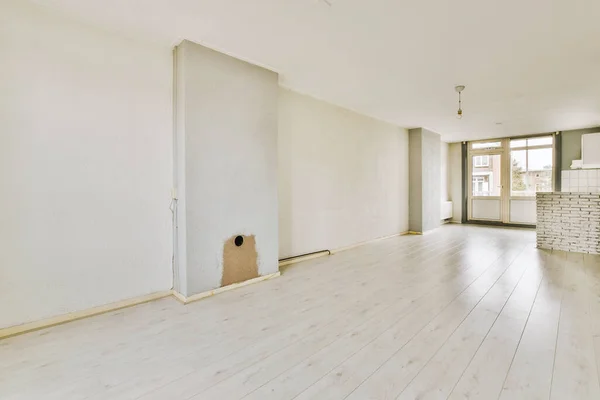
518 173
481 161
539 170
540 141
487 175
486 145
518 143
531 172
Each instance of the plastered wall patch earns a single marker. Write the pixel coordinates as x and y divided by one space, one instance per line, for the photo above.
240 260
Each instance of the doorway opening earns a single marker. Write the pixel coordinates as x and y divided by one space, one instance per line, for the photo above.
504 176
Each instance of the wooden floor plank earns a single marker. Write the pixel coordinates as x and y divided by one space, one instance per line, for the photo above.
485 373
346 377
575 373
256 378
530 375
392 378
454 313
359 310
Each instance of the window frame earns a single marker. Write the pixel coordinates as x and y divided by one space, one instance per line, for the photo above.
507 201
481 158
527 147
474 145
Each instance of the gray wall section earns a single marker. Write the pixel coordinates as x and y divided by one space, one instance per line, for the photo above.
455 167
415 191
571 145
179 228
424 180
431 178
227 118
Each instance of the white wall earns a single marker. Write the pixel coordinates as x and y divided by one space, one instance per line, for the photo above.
85 166
523 211
343 177
455 166
230 134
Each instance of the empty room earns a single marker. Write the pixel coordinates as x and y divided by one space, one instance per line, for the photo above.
299 199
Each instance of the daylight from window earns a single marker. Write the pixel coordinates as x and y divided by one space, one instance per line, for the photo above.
487 175
531 166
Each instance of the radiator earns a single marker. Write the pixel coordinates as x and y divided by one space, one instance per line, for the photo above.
446 211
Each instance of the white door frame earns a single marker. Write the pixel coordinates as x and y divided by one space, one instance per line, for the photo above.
504 152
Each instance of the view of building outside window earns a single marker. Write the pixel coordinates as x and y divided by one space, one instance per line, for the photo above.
487 175
531 169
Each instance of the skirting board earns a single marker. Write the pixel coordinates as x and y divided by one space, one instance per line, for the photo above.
294 260
340 249
74 316
331 252
200 296
90 312
421 233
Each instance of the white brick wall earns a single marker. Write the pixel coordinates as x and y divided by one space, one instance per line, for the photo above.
569 221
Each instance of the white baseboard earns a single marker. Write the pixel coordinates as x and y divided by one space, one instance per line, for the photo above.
76 315
178 296
306 257
90 312
423 233
334 251
340 249
186 300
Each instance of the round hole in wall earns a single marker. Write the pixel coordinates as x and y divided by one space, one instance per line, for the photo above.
239 241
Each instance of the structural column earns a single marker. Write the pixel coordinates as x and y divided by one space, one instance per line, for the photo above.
225 170
424 180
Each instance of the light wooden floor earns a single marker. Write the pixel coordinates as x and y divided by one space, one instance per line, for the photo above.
465 312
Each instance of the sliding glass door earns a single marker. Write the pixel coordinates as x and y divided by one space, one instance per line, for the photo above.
485 181
504 176
531 171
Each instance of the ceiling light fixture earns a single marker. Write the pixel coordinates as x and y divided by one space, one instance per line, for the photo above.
459 89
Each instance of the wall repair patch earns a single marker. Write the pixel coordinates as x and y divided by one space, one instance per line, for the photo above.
240 260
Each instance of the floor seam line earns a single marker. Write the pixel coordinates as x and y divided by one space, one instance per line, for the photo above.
520 337
418 298
490 329
557 333
435 316
480 300
360 324
383 331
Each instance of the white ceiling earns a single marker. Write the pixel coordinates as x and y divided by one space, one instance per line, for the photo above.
533 65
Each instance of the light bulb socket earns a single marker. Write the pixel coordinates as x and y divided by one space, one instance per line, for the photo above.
459 89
